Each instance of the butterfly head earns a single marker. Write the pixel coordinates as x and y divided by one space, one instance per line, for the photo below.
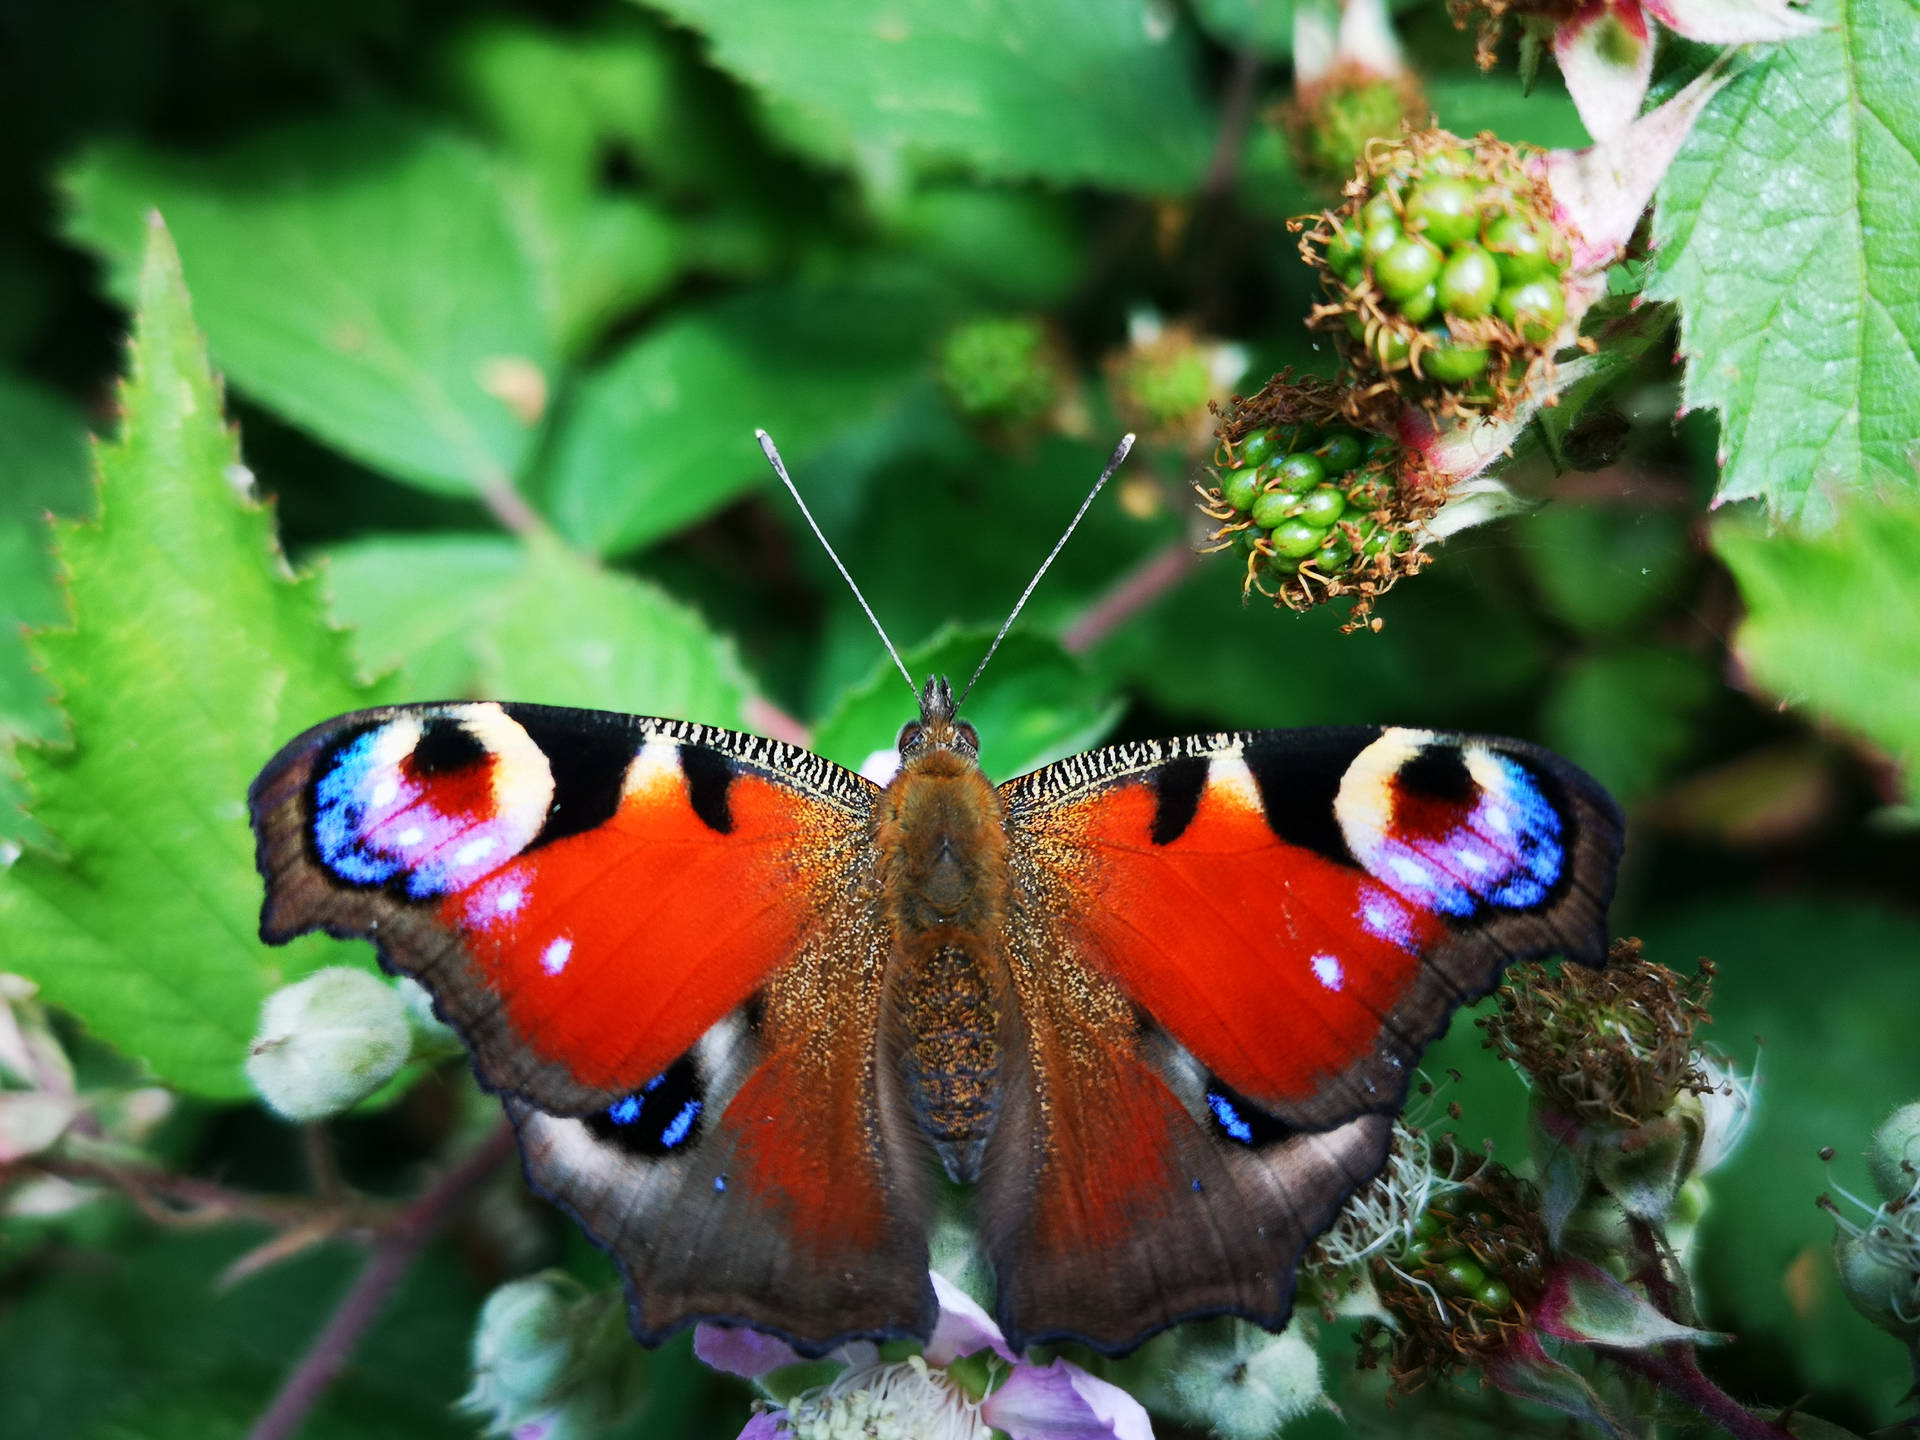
937 728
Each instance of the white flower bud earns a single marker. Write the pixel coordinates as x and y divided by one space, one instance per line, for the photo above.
1894 1157
553 1360
1251 1385
327 1042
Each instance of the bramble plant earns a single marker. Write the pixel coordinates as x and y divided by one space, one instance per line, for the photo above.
404 353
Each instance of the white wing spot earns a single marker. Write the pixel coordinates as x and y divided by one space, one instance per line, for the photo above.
554 958
474 850
1326 969
507 901
410 837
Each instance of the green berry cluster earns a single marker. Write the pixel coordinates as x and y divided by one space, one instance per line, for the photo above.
1445 265
1297 497
1332 121
1469 1273
1000 371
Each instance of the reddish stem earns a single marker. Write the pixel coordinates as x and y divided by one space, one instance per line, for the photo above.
393 1255
1139 588
1673 1369
1236 117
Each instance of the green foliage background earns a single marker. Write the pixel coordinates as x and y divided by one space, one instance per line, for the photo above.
499 292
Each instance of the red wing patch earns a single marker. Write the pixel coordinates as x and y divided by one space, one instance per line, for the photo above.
583 895
1273 964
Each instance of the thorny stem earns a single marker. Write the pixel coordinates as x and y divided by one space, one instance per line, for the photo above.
394 1253
1139 588
1674 1369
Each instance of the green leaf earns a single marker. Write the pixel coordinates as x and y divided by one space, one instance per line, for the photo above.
146 1347
1603 569
1035 703
1833 622
1020 246
193 655
663 434
364 280
1468 104
1785 231
480 616
1103 94
1812 979
1263 26
1627 716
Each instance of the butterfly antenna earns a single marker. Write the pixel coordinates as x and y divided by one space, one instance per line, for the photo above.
780 469
1119 454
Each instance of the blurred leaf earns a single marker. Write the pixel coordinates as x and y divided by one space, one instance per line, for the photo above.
144 1348
193 656
1813 979
1628 715
1263 26
1101 93
1468 104
1034 705
1450 654
1785 231
1602 569
1019 246
364 279
479 616
1833 622
600 256
663 434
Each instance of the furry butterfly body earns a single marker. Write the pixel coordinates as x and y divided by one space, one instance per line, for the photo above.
1157 1004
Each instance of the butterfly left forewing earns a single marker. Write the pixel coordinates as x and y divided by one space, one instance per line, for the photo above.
1236 947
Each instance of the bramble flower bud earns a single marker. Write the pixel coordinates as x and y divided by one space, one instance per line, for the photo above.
327 1042
553 1361
1350 86
1247 1384
1003 373
1894 1157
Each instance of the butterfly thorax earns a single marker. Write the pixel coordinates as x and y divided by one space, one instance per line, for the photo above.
942 852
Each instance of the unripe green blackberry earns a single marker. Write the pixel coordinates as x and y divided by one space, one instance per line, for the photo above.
1331 120
1444 272
1313 496
1894 1157
1002 373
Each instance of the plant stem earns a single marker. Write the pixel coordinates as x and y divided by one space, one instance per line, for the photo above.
1139 588
1236 115
393 1255
156 1193
1674 1370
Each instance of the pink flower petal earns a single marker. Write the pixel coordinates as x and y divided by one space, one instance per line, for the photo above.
1600 192
1064 1402
1606 56
742 1352
762 1426
963 1327
1733 22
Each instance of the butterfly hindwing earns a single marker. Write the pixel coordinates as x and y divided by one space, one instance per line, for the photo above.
1304 910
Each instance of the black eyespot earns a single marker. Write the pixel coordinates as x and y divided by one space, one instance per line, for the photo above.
657 1120
1238 1119
445 747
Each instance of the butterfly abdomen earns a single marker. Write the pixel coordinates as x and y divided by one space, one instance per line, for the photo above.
943 866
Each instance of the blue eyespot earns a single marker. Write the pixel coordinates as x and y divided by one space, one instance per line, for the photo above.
1227 1116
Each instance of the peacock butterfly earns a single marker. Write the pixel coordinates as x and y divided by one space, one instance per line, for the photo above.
1157 1003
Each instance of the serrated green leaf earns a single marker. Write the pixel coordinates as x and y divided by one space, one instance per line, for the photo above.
365 280
1833 621
1034 704
1812 979
481 616
1627 716
663 434
1785 231
1102 94
193 655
